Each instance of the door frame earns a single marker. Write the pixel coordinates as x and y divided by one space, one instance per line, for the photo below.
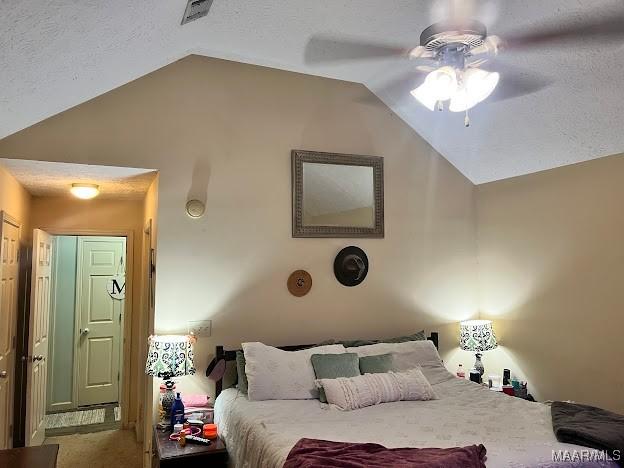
10 428
126 364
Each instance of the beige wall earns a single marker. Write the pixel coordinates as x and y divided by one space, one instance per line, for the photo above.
551 254
15 200
67 215
223 132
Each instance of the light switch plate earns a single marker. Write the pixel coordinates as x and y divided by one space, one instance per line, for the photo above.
200 328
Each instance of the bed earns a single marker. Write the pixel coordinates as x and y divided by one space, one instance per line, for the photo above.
516 432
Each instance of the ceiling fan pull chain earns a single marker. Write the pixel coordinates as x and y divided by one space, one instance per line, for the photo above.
466 120
440 106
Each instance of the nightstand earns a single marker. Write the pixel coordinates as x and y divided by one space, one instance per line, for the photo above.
169 454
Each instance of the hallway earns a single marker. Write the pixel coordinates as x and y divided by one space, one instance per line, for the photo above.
117 448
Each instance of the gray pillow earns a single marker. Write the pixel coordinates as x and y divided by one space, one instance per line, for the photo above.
419 336
377 364
402 339
332 366
240 370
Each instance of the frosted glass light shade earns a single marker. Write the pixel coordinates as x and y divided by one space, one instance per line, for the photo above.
477 335
85 191
476 86
423 96
442 83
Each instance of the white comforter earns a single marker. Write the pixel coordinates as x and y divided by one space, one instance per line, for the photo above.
515 432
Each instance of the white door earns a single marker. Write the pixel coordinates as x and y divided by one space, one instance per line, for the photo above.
99 319
38 337
9 270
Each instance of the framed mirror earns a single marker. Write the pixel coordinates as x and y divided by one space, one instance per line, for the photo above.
337 195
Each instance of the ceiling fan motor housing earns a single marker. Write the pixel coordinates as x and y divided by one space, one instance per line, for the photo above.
452 43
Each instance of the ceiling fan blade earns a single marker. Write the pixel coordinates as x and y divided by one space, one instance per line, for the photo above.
421 52
603 28
328 49
477 63
515 82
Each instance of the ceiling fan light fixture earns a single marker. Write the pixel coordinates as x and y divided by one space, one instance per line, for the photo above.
477 85
442 83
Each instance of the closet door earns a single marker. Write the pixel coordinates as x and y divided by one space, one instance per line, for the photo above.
100 319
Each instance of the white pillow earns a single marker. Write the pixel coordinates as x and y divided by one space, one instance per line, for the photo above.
349 393
423 350
433 370
273 374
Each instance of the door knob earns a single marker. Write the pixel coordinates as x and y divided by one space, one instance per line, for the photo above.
84 331
3 374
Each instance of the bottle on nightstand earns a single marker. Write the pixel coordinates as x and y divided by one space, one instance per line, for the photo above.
461 373
177 411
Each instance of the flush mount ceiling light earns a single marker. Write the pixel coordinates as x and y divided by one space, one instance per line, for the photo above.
447 71
85 191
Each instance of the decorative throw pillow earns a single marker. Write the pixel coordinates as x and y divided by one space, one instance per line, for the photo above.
273 374
331 366
349 393
377 364
425 351
240 370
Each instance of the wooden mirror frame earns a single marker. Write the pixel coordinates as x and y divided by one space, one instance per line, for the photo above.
299 157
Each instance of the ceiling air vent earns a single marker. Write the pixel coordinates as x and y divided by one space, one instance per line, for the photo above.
196 9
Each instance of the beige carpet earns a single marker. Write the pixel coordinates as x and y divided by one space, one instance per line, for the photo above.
106 449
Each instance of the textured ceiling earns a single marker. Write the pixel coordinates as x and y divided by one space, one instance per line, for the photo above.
55 55
52 179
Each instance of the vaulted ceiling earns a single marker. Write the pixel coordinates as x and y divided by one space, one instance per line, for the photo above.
55 55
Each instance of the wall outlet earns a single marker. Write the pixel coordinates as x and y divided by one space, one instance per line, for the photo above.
199 328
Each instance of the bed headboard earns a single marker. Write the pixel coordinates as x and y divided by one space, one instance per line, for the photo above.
230 355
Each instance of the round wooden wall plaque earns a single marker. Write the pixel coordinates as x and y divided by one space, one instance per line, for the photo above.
299 283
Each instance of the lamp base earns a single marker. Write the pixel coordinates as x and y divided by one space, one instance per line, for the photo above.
479 365
166 398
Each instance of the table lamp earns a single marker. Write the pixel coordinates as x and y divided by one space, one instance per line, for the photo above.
169 356
477 336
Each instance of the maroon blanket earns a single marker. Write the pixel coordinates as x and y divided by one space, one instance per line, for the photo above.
314 453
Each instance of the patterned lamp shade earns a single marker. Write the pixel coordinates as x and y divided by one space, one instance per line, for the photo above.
477 335
170 356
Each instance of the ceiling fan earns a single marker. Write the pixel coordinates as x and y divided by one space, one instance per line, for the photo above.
450 57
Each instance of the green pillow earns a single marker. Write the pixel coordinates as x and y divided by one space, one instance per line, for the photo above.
332 366
240 370
378 364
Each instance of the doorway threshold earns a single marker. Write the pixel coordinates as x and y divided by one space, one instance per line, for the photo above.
83 421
